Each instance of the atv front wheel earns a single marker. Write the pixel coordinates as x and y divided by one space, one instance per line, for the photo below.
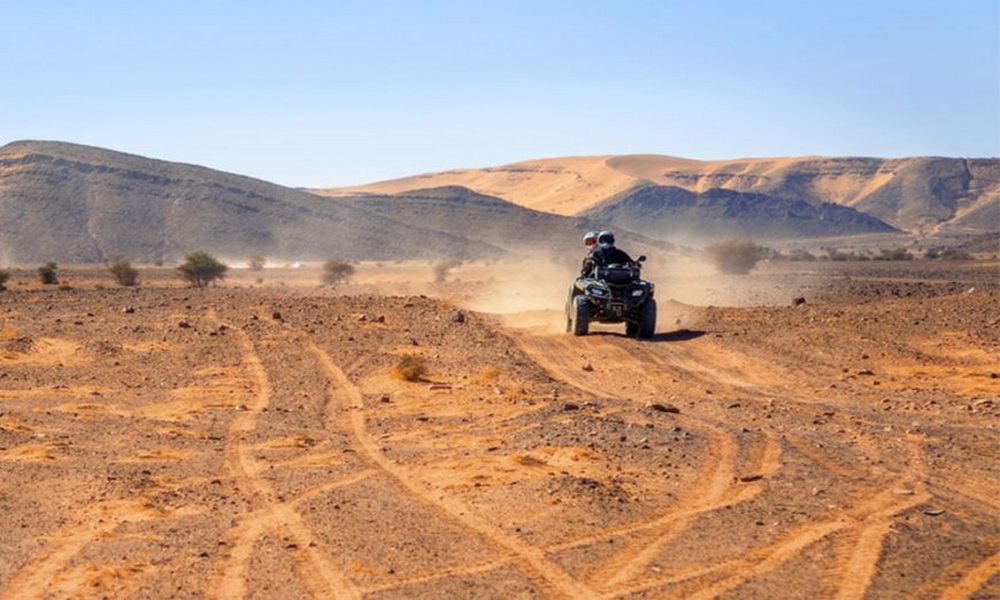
581 315
647 323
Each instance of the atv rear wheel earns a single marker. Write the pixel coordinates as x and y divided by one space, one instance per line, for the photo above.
647 323
581 315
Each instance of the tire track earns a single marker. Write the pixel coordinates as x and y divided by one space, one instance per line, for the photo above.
765 559
714 489
974 580
531 559
100 520
320 573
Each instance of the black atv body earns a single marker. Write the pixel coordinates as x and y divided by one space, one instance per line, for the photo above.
613 294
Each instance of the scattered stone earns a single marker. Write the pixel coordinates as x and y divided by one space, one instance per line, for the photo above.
128 309
666 408
458 317
588 367
903 492
798 301
184 324
934 512
276 316
439 386
571 406
749 478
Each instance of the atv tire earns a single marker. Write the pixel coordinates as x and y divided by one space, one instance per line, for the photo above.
647 323
581 315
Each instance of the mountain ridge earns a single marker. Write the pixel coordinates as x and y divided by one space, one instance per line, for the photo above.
918 195
81 204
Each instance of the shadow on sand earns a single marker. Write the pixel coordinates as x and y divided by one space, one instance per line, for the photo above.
681 335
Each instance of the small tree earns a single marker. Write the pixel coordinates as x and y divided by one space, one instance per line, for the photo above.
336 272
4 276
201 269
737 257
256 262
124 273
47 273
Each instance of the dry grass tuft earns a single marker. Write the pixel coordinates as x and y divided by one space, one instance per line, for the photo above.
410 367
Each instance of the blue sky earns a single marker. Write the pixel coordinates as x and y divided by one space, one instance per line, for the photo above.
317 94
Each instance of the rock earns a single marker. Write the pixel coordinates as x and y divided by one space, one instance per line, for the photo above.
458 317
666 408
588 367
798 301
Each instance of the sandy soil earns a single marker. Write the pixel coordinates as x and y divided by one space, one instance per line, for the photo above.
253 440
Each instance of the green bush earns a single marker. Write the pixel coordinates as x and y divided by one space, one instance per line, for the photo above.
336 272
200 269
737 257
47 274
124 273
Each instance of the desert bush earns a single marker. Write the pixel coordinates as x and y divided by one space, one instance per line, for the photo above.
952 254
4 276
943 254
410 367
256 262
124 273
47 273
736 257
799 255
200 269
895 254
443 267
336 272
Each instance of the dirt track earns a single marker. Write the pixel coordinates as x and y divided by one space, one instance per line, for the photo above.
254 442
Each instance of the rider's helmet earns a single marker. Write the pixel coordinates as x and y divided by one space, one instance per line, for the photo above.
590 238
606 237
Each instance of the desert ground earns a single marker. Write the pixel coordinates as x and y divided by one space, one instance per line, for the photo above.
256 439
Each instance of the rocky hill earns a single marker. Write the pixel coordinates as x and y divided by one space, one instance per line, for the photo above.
661 210
77 204
919 196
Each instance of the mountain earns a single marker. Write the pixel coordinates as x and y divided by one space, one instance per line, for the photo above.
922 195
489 220
78 204
669 211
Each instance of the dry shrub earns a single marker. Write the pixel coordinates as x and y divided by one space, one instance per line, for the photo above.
487 374
410 367
124 273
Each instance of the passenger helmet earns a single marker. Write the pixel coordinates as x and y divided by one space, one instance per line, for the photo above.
590 238
606 237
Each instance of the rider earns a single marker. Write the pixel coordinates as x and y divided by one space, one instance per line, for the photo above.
589 240
604 253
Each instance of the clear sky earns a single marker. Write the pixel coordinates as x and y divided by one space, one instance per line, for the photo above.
328 93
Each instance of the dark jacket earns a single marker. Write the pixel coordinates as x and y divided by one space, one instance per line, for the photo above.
603 255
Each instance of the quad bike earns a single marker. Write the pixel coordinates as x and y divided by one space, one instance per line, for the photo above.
613 294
